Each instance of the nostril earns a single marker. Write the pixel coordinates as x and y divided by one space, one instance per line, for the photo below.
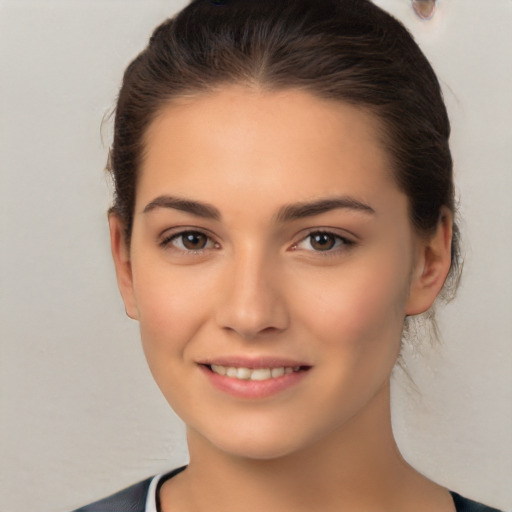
425 9
269 330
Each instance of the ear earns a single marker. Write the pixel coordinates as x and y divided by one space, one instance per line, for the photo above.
123 265
432 265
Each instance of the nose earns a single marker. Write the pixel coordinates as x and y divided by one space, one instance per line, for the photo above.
251 297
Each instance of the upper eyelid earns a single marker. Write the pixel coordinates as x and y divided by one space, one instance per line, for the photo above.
345 239
180 230
337 232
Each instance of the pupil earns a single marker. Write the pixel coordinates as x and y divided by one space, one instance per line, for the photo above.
322 241
194 241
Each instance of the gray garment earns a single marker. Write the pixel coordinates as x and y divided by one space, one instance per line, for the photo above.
133 499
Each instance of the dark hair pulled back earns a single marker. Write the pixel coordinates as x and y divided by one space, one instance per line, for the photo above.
344 50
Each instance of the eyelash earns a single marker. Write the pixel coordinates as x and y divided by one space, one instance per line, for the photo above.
341 243
168 241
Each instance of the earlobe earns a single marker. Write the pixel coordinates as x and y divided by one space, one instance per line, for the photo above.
122 263
431 267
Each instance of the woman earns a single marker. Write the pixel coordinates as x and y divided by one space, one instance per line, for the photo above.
284 208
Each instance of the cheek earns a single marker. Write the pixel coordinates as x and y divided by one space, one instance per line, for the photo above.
360 329
171 309
170 314
360 311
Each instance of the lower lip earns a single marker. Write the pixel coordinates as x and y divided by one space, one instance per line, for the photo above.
253 389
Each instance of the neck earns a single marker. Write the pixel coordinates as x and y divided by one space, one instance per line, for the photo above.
357 467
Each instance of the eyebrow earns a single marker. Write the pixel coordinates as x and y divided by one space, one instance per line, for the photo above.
316 207
196 208
286 213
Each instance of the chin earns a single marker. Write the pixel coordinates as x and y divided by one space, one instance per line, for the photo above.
259 450
260 442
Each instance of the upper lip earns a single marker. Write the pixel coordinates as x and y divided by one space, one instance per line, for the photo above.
253 362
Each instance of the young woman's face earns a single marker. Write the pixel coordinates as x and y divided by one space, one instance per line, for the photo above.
270 267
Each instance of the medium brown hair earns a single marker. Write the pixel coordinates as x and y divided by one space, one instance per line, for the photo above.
344 50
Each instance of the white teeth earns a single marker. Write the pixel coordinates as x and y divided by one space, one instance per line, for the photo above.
243 373
221 370
277 372
231 372
253 374
261 374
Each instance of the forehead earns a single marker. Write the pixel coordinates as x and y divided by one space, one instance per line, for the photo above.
286 143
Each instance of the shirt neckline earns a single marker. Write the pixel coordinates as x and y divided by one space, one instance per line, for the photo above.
152 498
153 501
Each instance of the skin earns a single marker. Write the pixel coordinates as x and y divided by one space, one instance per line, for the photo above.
260 287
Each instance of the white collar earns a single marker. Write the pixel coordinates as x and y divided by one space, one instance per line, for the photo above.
151 497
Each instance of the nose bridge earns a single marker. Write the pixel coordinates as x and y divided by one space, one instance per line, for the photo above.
252 299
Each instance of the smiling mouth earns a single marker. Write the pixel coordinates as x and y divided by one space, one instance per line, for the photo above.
254 374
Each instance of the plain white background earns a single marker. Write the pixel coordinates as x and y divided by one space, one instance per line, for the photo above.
80 414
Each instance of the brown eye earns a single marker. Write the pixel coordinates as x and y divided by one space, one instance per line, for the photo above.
188 241
193 241
322 241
